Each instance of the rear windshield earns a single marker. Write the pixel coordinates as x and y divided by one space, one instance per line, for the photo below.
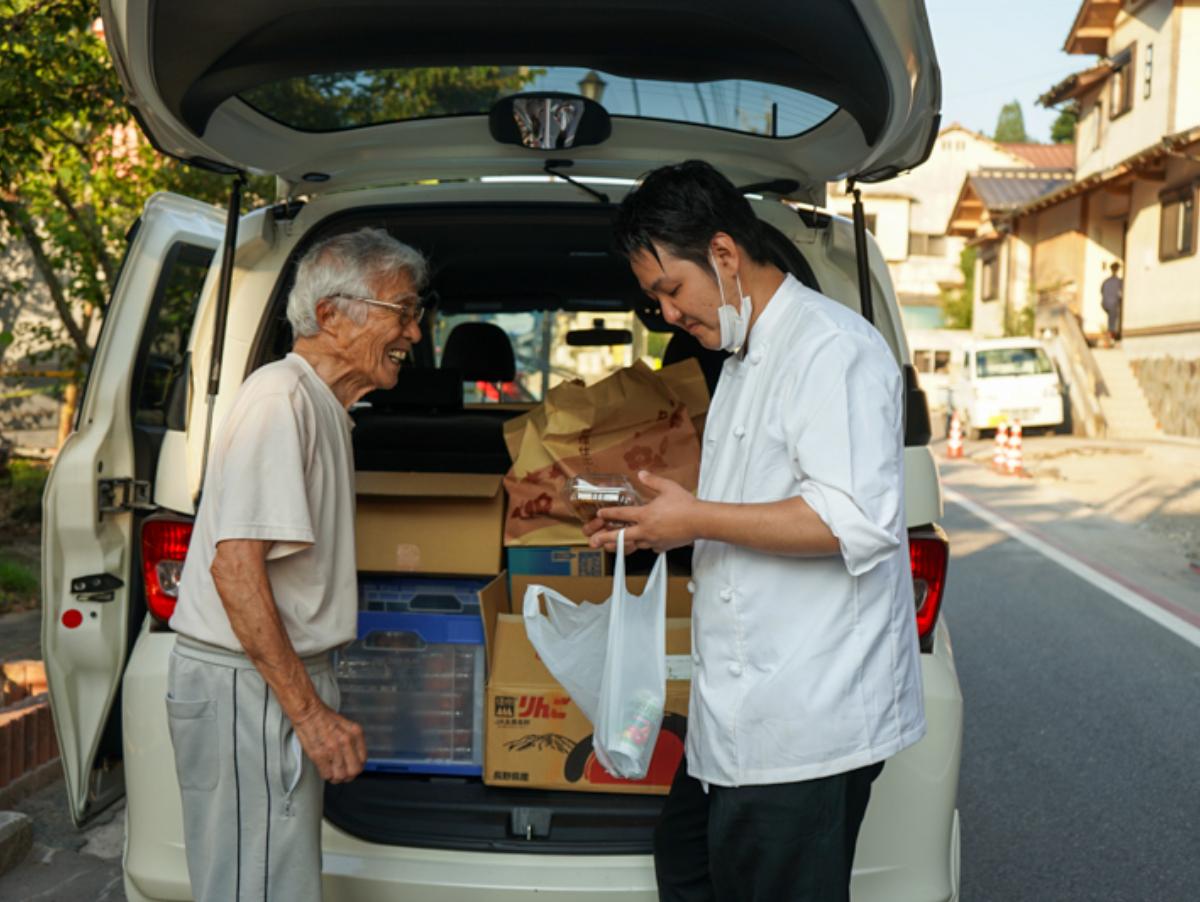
1012 362
342 100
544 356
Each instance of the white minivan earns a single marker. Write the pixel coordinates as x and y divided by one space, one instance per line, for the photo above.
1005 380
497 138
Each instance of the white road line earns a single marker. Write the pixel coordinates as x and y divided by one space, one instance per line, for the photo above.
1126 596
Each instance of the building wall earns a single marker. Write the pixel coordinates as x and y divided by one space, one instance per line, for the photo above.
22 311
1187 97
922 277
1147 119
987 319
891 221
1159 292
1058 251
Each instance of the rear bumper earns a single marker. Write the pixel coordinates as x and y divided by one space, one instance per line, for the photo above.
907 851
984 415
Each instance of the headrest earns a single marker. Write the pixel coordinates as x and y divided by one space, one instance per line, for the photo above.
684 345
481 352
420 388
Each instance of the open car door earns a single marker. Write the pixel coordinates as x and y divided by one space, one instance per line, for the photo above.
100 488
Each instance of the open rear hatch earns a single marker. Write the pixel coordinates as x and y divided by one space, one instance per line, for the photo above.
328 95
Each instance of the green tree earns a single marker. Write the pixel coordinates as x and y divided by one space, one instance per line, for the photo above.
958 304
75 171
1010 125
1063 129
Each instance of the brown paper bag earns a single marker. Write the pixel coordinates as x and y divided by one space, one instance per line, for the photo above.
634 420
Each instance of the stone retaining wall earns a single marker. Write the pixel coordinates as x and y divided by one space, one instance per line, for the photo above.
1172 389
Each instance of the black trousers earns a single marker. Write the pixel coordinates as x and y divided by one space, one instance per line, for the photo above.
787 842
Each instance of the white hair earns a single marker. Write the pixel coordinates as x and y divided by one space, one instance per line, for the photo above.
347 264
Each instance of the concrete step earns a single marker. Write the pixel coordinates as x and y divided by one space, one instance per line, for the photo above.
1124 405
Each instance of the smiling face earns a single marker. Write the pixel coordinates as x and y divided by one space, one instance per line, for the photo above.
687 292
374 351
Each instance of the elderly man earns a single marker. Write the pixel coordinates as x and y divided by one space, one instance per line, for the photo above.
269 586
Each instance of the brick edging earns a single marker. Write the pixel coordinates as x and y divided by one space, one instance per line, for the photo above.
27 738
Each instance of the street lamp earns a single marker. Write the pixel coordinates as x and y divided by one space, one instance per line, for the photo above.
592 86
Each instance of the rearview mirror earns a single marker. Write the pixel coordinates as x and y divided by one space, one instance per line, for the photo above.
549 121
598 336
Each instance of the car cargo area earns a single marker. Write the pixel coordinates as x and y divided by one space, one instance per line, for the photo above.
443 424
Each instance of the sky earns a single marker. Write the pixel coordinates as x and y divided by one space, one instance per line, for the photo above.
994 52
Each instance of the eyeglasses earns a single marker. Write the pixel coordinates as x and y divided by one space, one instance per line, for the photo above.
406 313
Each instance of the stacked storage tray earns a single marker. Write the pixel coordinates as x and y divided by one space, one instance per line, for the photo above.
406 594
415 682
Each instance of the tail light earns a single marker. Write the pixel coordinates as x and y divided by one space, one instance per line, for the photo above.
930 555
164 547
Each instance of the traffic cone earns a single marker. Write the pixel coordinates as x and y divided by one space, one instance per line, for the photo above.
1000 454
954 443
1014 461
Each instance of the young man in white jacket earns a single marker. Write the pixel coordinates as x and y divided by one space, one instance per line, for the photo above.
806 673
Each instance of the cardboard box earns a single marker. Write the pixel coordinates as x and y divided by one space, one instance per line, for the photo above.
535 736
434 523
598 588
562 560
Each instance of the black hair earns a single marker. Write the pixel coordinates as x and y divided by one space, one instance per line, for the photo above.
680 207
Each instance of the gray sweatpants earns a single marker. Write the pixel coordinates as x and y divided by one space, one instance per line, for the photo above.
251 800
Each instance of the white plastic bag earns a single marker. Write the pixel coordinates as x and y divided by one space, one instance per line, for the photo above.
611 659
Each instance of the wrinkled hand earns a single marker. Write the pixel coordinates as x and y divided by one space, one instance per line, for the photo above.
666 522
333 743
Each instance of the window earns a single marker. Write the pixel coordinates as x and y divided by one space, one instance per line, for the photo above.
1120 84
924 245
1177 228
989 276
326 102
1012 362
1148 71
543 353
161 385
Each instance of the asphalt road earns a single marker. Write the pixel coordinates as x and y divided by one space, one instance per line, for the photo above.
1081 759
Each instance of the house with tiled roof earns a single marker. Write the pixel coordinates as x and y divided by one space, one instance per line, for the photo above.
908 216
1132 202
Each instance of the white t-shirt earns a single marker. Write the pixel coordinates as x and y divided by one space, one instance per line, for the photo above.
281 469
805 667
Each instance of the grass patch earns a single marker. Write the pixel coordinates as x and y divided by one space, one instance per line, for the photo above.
18 585
21 493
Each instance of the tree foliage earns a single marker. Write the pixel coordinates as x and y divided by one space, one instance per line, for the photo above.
1010 125
325 102
75 171
1063 129
958 304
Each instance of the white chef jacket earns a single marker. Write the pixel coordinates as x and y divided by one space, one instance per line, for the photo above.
805 667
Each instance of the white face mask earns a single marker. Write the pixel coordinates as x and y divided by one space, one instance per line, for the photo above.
734 323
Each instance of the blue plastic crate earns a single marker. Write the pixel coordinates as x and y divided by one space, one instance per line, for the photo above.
415 683
392 594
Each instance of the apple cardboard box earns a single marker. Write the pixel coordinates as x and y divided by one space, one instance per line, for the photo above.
431 523
535 736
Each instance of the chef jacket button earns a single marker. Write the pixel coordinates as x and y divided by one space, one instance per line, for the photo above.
739 431
691 587
735 669
695 657
756 357
727 595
